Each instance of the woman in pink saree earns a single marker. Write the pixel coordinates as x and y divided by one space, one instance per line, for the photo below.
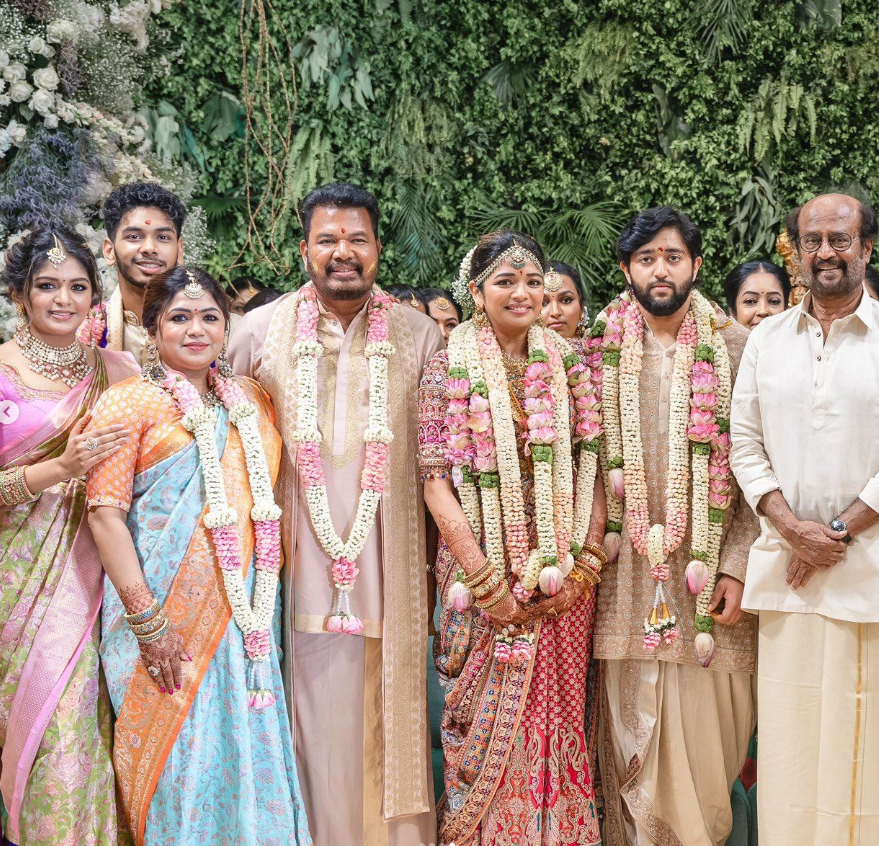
57 777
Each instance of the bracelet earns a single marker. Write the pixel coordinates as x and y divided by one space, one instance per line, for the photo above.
489 586
153 635
150 626
13 487
597 551
502 594
142 616
479 576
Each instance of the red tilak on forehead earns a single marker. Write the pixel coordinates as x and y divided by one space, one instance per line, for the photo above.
659 249
147 222
343 231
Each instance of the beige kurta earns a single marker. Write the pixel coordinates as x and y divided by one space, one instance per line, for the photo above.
390 595
641 793
124 331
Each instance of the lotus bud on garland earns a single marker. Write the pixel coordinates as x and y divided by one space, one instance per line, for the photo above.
698 454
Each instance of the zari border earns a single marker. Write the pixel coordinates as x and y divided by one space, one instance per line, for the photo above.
517 679
197 608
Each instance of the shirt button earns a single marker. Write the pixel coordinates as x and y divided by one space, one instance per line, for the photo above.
817 334
333 323
819 358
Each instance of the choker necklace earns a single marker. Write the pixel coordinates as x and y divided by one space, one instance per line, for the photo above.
60 364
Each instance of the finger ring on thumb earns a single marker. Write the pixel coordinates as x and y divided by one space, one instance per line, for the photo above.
91 444
153 671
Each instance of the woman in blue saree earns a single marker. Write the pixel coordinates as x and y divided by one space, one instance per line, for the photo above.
199 758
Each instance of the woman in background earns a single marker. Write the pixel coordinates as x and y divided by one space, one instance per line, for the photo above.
755 290
564 301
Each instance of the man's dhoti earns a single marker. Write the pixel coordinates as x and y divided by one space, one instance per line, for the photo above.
674 739
818 762
337 703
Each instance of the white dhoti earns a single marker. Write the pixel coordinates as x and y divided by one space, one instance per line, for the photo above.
337 703
818 762
674 739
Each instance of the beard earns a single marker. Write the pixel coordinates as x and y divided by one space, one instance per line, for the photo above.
851 276
663 307
355 288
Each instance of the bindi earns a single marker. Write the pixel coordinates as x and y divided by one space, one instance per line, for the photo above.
659 249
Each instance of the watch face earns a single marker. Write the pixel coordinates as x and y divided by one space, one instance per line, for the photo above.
838 525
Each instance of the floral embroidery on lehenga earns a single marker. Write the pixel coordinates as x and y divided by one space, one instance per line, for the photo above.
516 766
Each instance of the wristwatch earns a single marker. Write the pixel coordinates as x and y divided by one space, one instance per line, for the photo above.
838 525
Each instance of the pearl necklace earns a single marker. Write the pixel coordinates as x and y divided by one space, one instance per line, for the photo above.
60 364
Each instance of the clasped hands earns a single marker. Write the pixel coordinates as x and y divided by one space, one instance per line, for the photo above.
511 612
814 547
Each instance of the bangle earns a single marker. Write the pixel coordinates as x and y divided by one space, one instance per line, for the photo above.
582 573
13 487
143 616
501 594
489 586
153 635
597 551
479 575
150 626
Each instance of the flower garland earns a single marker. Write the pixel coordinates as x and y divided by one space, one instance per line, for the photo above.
701 366
482 451
221 519
378 436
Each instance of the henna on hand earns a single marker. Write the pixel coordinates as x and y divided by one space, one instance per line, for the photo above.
461 543
136 597
165 655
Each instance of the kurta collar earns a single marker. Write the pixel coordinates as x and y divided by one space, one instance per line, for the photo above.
864 312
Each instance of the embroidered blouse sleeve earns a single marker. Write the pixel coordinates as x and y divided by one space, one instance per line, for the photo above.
111 481
432 404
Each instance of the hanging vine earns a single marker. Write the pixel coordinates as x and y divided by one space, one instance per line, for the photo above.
268 80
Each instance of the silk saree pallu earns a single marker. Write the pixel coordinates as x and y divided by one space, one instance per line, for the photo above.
57 776
199 766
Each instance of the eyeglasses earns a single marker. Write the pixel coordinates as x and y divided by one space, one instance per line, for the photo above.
839 241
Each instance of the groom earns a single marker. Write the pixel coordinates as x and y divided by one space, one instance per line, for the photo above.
359 702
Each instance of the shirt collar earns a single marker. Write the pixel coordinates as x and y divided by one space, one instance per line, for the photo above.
864 312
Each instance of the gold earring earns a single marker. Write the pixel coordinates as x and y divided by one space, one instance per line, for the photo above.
223 363
480 319
20 313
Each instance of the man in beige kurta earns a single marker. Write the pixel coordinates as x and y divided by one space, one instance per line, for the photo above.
674 734
359 704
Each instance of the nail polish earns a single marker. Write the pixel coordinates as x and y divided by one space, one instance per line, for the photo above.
162 689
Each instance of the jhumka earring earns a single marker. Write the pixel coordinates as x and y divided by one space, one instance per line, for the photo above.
153 368
480 319
20 313
223 363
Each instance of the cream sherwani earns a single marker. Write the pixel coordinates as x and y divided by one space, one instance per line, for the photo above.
674 734
358 704
805 421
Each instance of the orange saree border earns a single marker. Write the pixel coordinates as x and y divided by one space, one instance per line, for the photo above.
197 608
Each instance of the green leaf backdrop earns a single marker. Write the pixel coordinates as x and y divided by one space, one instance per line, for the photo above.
558 117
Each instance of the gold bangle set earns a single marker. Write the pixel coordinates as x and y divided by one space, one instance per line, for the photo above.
501 594
484 581
150 624
13 487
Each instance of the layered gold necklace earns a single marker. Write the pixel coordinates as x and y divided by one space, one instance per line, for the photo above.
60 364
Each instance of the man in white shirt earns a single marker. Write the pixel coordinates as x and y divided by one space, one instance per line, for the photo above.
805 451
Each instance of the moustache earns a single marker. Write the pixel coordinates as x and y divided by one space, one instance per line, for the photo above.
355 266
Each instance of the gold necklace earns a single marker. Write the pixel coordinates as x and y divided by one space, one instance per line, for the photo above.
60 364
514 367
